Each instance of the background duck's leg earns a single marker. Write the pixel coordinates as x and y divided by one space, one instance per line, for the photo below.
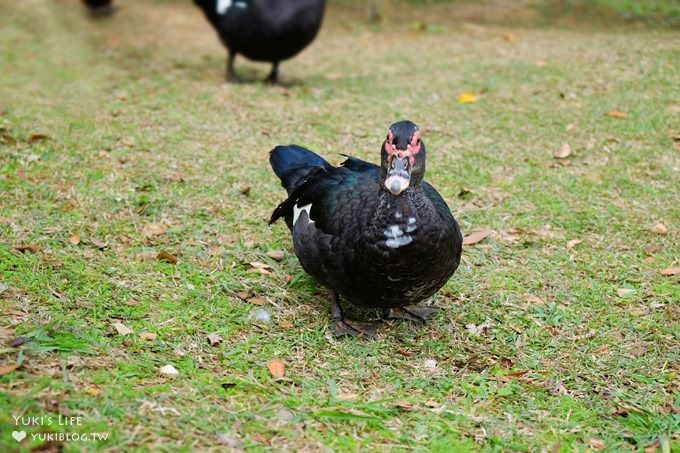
412 313
273 76
231 74
342 326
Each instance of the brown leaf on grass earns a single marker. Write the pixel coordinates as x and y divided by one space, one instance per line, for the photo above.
148 336
405 352
243 295
152 229
256 300
37 138
276 368
347 396
637 351
131 303
652 249
167 257
285 325
403 405
7 369
121 328
659 228
18 341
573 243
74 239
616 114
670 271
4 220
23 248
276 255
653 447
534 299
245 190
214 339
601 350
648 259
563 152
259 265
596 444
476 237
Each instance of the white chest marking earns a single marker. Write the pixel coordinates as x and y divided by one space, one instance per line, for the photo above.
297 211
411 227
396 237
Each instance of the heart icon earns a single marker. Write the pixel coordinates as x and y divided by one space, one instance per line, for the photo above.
19 435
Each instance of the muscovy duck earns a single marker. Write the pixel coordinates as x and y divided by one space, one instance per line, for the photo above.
264 30
377 236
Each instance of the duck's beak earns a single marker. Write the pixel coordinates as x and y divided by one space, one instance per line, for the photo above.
398 176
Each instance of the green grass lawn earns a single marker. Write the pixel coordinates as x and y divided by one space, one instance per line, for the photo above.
120 140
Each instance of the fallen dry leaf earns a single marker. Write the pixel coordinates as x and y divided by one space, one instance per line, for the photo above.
167 257
37 138
403 405
652 249
467 98
245 190
573 243
151 229
74 239
7 369
256 300
563 152
258 265
149 336
671 271
616 114
653 447
243 295
596 444
23 248
276 368
121 328
347 396
476 237
285 325
276 255
214 339
659 228
92 391
601 350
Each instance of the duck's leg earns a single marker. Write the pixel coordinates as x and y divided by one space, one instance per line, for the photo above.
231 73
342 326
273 77
412 313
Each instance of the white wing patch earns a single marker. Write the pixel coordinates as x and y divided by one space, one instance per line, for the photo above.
297 211
224 5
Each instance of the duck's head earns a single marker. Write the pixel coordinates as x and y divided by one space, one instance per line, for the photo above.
403 157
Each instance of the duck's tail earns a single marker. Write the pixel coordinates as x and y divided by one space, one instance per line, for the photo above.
293 163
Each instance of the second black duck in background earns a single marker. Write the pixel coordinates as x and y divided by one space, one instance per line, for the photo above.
264 30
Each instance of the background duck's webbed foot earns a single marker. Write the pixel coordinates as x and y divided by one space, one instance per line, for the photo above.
412 313
342 326
273 77
231 73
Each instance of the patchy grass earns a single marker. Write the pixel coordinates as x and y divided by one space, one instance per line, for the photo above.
536 346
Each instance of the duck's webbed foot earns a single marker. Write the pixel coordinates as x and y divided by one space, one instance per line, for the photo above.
273 77
342 326
231 72
412 313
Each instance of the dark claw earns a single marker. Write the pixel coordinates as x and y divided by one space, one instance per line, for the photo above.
354 328
416 314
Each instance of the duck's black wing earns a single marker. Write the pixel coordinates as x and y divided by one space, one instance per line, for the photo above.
340 197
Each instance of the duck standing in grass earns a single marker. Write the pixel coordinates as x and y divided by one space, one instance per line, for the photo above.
264 30
377 236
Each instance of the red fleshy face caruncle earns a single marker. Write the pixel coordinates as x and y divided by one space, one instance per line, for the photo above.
412 148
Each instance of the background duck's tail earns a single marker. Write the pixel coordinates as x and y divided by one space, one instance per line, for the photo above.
293 163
